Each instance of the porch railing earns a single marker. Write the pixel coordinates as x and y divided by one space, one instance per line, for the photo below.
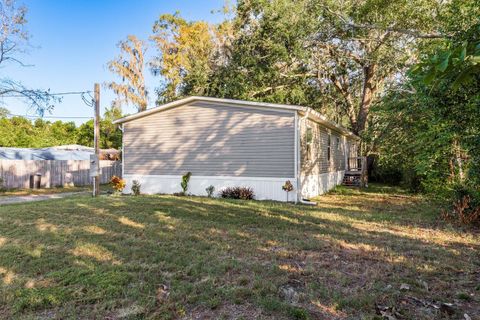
357 171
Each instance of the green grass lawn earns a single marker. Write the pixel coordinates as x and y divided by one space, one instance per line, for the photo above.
164 257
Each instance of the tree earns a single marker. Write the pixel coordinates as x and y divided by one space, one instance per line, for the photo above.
362 46
431 130
458 61
110 134
21 132
188 53
342 54
13 42
129 65
267 60
338 57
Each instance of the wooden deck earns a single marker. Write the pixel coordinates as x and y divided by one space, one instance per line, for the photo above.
356 173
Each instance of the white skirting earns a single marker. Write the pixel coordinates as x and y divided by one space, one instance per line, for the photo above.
314 185
265 188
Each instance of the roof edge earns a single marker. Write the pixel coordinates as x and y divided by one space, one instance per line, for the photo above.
320 118
153 110
205 99
312 114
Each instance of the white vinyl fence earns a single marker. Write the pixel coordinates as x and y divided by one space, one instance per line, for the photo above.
54 173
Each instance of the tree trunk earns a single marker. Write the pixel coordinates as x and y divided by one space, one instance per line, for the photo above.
369 89
458 159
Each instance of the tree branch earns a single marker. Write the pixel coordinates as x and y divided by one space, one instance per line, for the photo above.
409 32
267 89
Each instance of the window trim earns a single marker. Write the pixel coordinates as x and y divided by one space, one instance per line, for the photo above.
329 147
309 141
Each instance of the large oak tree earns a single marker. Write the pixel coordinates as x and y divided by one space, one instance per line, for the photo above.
336 56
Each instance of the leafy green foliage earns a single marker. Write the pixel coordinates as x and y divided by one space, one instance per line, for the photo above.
187 54
459 61
2 185
185 181
464 211
339 58
210 190
429 130
267 59
136 186
21 132
24 133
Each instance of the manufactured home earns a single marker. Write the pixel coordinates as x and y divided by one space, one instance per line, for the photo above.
225 143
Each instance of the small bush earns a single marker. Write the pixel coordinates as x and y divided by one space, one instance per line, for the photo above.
287 187
2 186
118 184
298 313
185 181
243 193
461 190
465 208
210 190
136 187
464 211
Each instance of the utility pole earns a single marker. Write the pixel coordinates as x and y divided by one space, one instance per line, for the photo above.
96 137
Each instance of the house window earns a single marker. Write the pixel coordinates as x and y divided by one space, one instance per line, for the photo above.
338 144
309 140
329 147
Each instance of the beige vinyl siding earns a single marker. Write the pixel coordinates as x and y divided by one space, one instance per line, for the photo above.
210 139
317 161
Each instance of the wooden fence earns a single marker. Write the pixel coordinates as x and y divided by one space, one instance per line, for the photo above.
54 173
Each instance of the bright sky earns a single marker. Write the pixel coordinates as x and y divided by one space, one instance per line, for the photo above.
73 41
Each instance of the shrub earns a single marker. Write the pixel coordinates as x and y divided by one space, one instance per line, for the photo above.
461 190
185 181
118 184
136 187
287 187
2 186
464 211
210 190
244 193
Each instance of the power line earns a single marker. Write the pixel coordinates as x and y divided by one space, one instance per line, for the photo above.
48 117
83 95
85 99
50 94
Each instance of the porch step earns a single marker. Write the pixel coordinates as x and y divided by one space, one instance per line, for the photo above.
352 180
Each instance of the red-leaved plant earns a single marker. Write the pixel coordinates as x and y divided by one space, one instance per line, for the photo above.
287 187
243 193
118 184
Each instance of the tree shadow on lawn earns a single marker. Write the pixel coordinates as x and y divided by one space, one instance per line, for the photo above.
159 256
